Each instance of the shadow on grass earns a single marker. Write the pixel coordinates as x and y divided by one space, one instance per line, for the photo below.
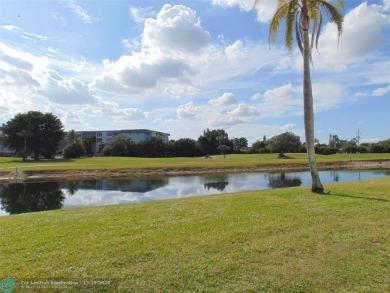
360 197
46 161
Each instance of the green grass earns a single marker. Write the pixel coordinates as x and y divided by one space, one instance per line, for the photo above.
231 161
283 240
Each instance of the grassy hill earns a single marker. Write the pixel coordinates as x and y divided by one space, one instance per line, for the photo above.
281 240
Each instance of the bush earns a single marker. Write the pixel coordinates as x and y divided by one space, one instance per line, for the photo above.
325 150
74 150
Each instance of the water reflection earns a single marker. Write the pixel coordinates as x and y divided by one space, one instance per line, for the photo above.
131 185
17 198
335 175
282 180
218 183
28 197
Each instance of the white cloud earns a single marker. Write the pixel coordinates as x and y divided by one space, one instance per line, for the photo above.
288 127
224 100
236 52
381 91
244 110
188 111
223 120
265 8
176 28
70 118
66 91
142 71
386 5
23 34
256 96
327 96
362 36
175 57
287 100
139 14
81 13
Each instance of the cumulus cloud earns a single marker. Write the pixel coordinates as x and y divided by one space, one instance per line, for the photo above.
287 100
243 110
114 111
66 91
363 34
176 28
188 111
140 71
176 56
224 100
163 63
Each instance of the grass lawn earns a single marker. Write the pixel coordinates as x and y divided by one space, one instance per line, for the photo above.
281 240
231 161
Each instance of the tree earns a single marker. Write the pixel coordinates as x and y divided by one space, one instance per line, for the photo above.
183 147
120 146
259 147
285 142
71 137
74 150
223 149
239 144
210 140
155 147
301 15
33 132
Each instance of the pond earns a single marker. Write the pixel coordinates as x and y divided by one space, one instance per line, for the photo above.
16 198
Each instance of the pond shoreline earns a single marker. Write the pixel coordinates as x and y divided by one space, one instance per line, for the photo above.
26 176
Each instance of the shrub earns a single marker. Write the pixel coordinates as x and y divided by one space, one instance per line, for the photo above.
74 150
325 150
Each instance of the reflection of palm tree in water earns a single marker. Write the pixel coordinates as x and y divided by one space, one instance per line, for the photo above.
17 198
335 175
281 180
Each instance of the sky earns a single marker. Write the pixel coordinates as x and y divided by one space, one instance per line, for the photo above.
183 66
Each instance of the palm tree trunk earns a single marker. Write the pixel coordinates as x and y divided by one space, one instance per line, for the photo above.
316 185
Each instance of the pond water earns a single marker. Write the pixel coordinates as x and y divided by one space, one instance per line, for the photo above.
16 198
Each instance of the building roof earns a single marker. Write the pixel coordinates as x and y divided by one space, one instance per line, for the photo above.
122 130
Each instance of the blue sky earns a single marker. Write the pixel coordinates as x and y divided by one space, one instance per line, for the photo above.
184 66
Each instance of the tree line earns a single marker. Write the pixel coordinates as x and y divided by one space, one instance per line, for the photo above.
40 134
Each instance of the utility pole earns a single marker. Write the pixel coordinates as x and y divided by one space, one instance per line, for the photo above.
358 137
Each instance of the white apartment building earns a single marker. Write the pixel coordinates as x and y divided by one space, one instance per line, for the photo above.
135 135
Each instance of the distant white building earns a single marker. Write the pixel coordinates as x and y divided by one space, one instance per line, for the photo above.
136 135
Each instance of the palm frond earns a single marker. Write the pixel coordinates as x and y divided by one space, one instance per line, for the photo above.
335 15
298 35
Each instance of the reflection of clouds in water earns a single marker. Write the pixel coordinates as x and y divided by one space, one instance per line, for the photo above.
247 181
100 197
139 190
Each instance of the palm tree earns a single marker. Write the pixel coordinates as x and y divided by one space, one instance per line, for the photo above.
302 15
72 137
